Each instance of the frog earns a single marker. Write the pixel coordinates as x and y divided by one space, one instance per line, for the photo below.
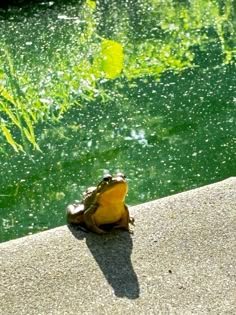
102 205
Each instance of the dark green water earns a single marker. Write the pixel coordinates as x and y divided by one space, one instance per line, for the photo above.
167 133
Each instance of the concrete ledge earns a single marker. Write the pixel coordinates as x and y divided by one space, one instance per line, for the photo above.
181 259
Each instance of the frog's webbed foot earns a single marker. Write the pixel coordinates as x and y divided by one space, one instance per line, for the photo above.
131 220
122 227
100 231
95 229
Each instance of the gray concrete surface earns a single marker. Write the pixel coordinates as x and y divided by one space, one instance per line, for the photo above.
181 259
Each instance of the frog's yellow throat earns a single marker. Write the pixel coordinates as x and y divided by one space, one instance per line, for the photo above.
114 194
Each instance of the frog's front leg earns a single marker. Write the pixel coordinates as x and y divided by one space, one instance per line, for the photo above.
124 221
90 221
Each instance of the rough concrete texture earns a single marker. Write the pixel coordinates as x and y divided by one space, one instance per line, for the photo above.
181 259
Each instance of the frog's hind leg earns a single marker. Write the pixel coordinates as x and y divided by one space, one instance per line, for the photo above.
74 215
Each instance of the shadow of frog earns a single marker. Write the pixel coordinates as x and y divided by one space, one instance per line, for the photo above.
112 252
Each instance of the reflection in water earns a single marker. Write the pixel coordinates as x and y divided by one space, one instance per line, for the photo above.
112 253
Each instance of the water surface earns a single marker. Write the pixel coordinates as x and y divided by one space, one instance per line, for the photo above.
166 118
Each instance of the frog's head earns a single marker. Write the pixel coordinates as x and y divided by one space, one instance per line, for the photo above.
112 189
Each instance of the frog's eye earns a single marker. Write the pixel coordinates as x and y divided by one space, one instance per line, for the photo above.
107 178
121 175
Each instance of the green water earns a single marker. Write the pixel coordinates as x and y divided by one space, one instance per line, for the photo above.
166 119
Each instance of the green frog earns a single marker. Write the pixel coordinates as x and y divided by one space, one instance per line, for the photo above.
103 205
